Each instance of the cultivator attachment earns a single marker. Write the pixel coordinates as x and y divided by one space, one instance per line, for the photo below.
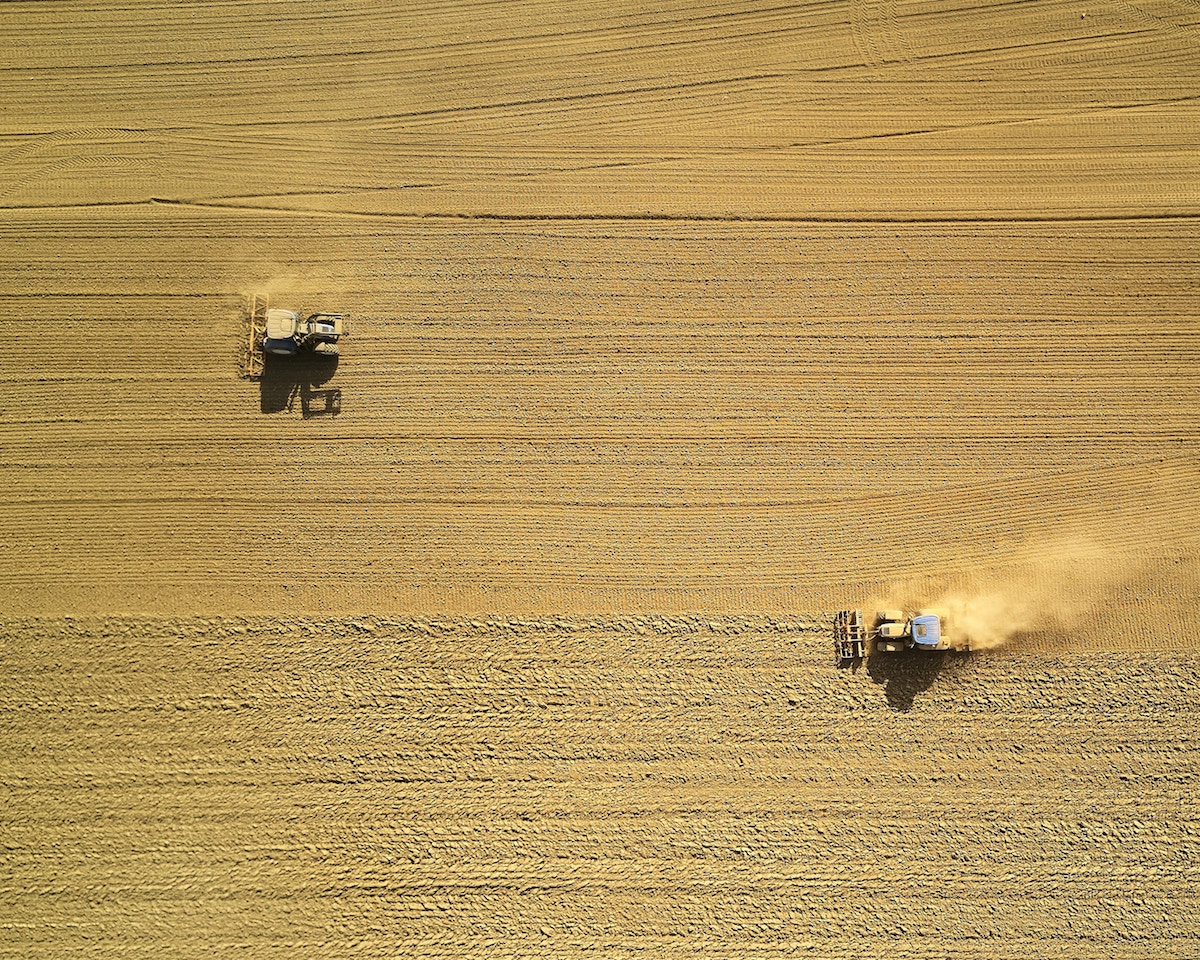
251 350
849 637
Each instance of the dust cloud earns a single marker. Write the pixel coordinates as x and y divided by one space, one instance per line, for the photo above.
1050 586
283 284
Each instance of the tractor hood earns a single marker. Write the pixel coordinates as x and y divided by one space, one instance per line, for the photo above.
926 630
281 324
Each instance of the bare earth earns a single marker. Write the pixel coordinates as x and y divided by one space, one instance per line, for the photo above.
674 328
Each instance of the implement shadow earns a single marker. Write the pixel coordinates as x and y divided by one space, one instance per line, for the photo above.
906 675
285 379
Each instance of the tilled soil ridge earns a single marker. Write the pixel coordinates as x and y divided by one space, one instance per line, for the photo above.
557 788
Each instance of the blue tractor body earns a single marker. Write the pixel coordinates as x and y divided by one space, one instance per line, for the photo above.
926 630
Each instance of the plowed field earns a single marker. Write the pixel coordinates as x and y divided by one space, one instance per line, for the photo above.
674 328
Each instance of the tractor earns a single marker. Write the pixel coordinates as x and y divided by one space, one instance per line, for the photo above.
893 631
282 333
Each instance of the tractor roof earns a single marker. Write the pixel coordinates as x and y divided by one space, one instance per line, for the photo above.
281 324
926 630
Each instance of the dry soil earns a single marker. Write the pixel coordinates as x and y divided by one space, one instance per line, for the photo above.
674 328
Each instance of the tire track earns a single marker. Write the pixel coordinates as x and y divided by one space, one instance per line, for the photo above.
877 33
31 171
675 329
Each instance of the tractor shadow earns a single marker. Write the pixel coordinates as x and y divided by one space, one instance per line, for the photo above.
905 676
288 379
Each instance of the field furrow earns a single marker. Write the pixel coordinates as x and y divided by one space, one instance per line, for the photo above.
673 328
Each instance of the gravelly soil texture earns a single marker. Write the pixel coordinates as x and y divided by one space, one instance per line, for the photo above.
674 328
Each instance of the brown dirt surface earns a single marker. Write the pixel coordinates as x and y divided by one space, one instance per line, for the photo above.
675 327
542 788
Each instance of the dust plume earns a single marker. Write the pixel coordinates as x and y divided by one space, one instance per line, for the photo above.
1050 585
277 283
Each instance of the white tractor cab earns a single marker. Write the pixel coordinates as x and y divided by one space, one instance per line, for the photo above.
286 334
925 630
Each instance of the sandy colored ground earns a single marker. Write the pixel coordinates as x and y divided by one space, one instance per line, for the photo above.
675 328
619 788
